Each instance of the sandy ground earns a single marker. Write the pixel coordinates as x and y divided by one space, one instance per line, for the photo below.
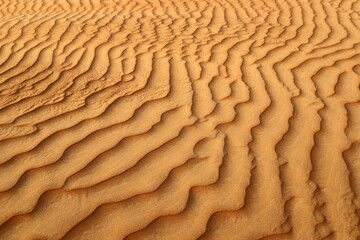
179 119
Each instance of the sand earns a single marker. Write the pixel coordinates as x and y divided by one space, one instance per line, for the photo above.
179 119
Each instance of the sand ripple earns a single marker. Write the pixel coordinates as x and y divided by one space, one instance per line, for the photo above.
164 119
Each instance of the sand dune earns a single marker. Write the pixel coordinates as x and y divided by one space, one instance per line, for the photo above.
186 119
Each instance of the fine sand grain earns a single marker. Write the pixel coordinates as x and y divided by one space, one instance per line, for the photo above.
179 119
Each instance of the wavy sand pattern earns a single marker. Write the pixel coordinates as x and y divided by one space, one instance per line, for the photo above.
179 119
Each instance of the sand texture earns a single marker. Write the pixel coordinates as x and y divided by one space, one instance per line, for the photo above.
179 119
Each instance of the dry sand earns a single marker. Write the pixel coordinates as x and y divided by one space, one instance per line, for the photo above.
179 119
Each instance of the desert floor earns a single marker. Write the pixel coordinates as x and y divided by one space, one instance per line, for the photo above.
179 119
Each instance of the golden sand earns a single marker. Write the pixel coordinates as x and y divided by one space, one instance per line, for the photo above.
179 119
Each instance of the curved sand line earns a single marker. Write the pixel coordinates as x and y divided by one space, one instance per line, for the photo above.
163 119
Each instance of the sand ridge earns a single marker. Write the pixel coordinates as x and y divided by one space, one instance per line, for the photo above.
164 119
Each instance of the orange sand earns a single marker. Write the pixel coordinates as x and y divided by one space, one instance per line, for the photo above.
179 119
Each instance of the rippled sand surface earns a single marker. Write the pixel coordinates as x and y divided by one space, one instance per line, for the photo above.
179 119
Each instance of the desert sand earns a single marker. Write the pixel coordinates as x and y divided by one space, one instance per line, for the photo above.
179 119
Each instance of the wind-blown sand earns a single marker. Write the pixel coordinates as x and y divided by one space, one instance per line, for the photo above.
179 119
